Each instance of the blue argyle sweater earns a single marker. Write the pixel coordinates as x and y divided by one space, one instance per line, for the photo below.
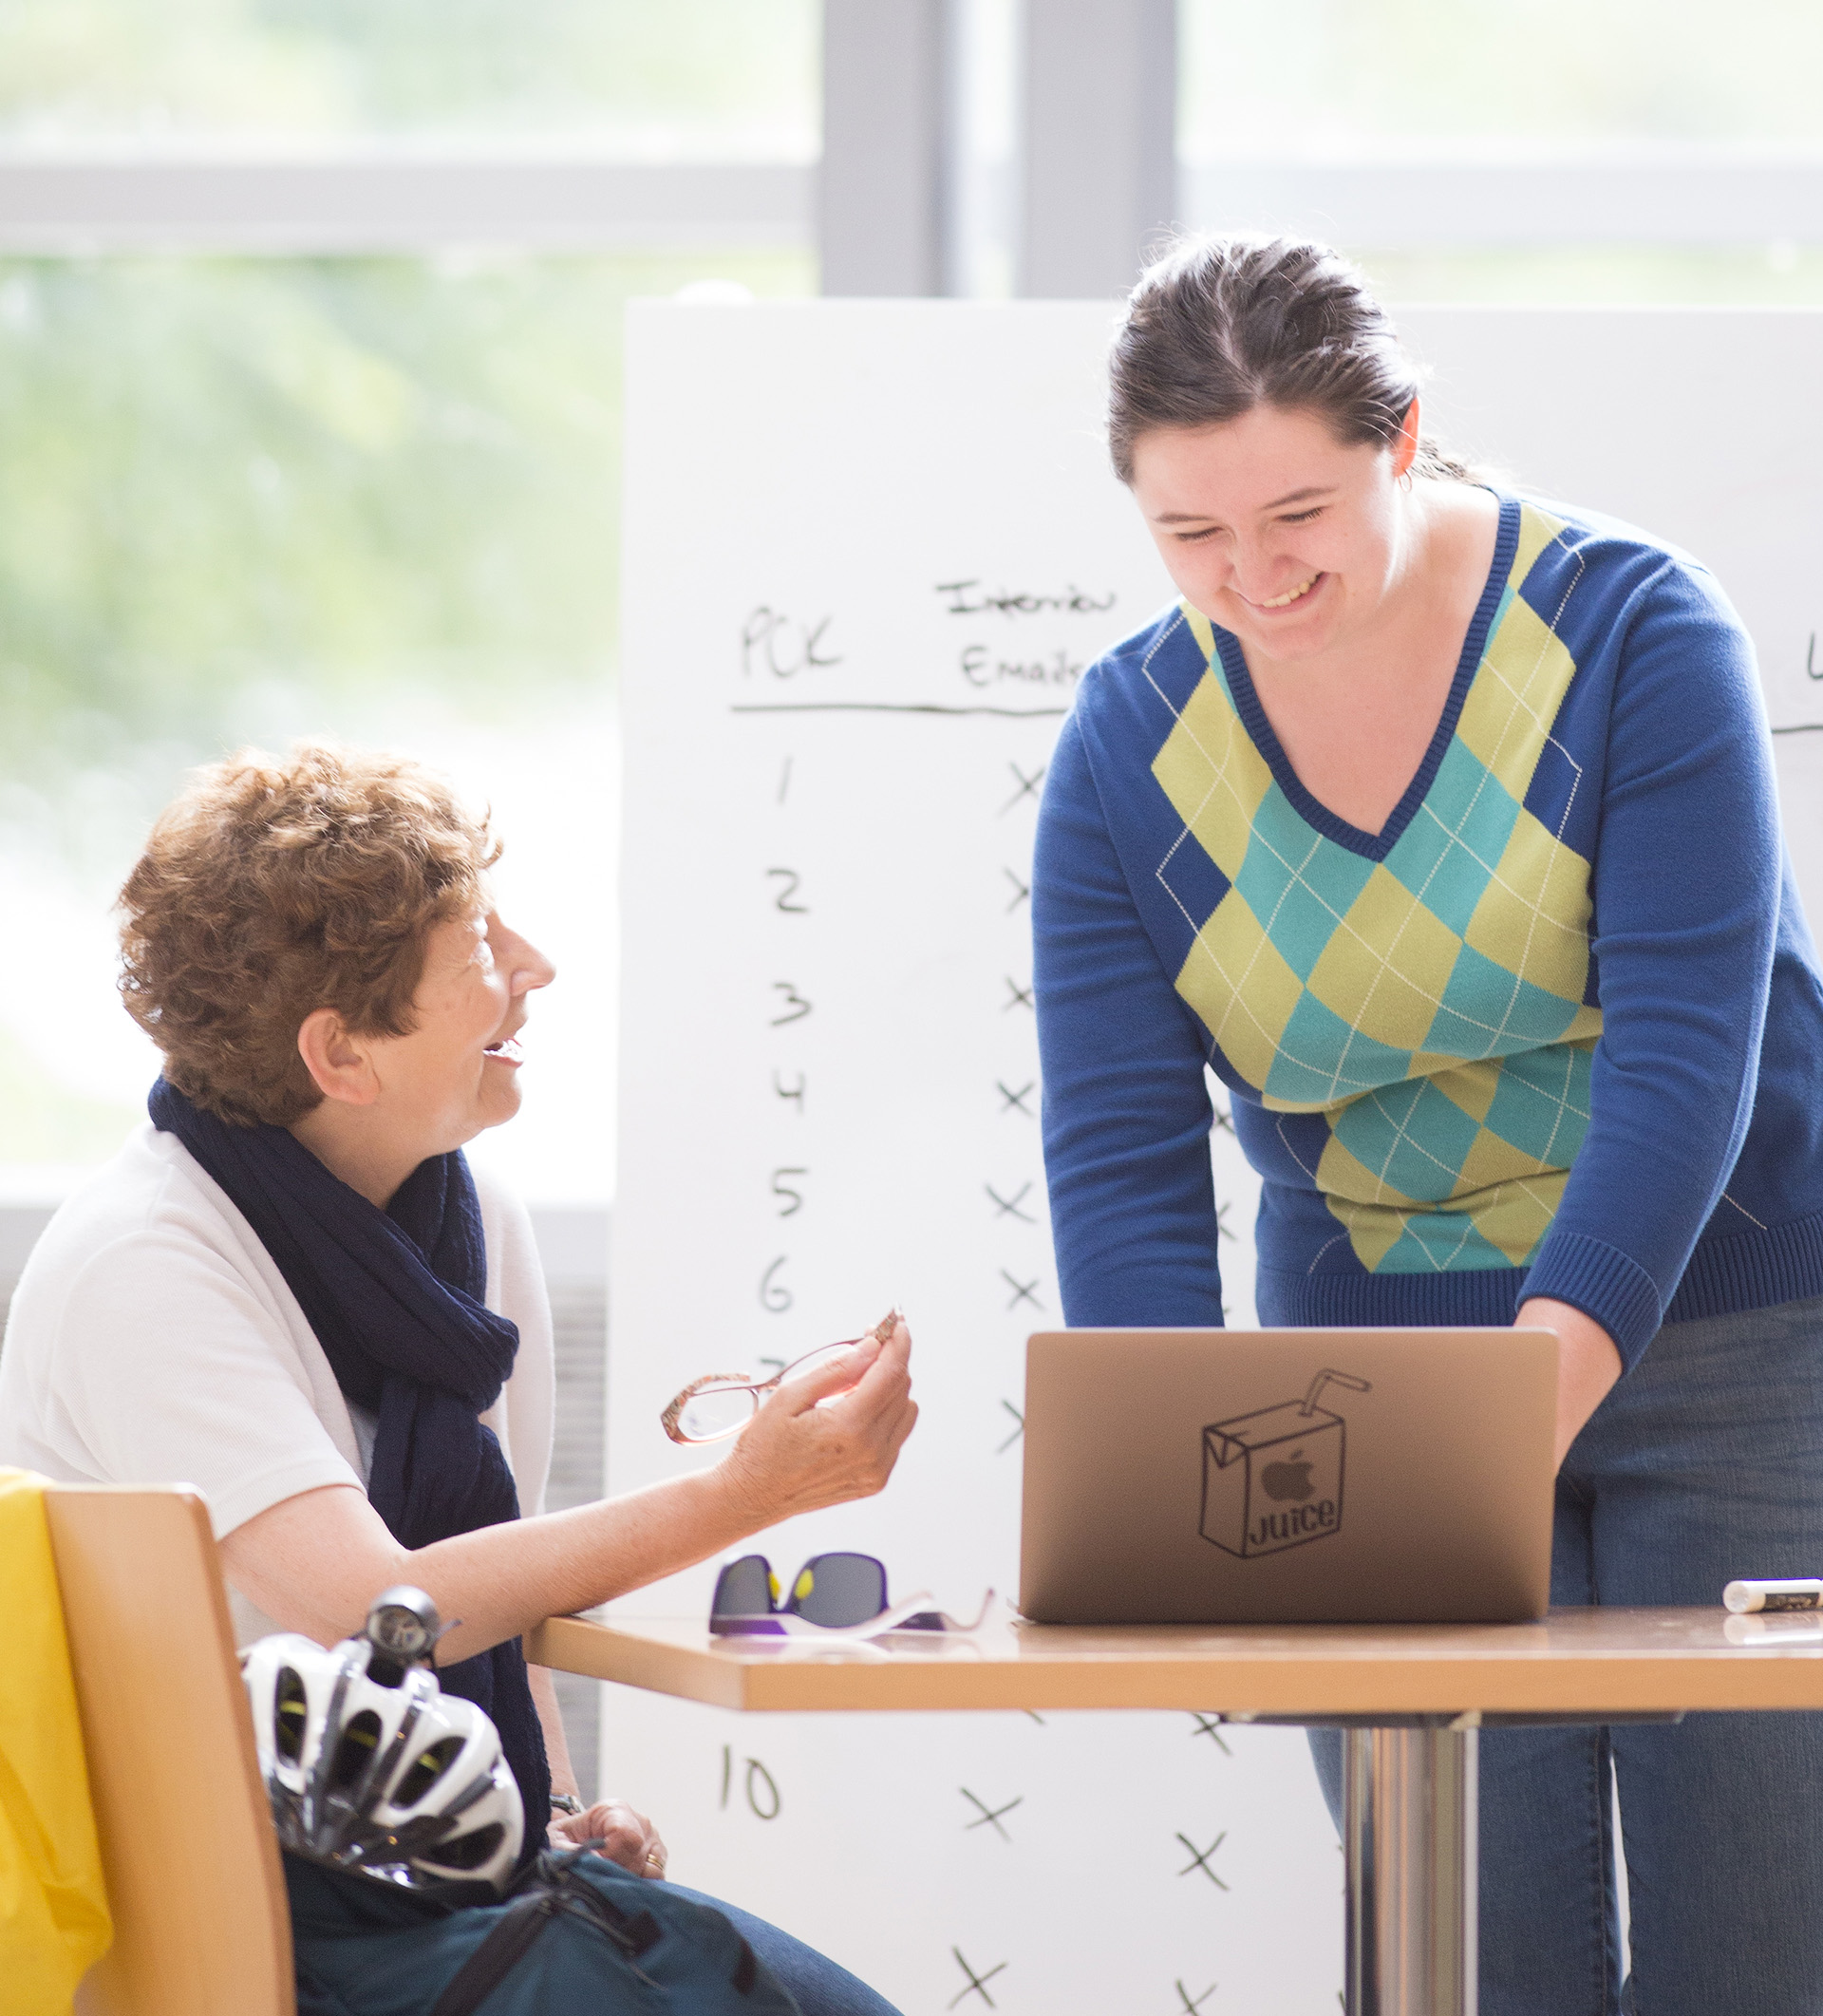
1556 1031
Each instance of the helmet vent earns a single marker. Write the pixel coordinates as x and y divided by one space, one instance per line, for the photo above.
467 1851
426 1769
290 1711
360 1739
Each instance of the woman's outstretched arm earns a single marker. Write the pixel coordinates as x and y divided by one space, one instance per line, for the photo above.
315 1561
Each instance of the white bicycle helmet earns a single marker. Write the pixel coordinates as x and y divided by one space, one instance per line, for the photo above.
370 1767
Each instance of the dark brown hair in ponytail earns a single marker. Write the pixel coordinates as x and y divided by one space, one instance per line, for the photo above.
1221 325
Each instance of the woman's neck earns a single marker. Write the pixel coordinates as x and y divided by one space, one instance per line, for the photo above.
1355 724
351 1145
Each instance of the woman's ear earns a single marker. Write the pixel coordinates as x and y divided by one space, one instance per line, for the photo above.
1405 446
339 1064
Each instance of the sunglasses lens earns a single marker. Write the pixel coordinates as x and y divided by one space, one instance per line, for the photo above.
708 1416
834 1589
745 1589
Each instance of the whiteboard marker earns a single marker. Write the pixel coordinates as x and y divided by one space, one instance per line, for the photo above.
1743 1596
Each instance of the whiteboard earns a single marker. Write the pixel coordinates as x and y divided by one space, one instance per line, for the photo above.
868 548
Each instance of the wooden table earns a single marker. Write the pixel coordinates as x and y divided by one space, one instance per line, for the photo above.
1409 1698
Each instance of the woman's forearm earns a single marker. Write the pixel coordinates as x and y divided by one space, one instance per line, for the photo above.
503 1580
313 1563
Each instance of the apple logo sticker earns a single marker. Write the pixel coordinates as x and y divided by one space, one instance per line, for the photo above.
1273 1478
1289 1479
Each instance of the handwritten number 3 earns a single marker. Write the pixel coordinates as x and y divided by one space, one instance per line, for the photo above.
796 1007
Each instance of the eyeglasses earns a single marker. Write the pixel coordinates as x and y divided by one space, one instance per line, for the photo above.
721 1403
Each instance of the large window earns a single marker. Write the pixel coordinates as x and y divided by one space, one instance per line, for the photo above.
1513 150
248 498
684 80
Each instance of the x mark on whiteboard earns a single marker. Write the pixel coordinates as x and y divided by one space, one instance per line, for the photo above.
977 1983
989 1815
1027 785
1199 1858
1008 1207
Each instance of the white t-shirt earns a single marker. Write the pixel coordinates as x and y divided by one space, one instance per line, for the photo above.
152 1340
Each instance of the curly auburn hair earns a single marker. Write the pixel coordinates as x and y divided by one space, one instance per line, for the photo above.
274 887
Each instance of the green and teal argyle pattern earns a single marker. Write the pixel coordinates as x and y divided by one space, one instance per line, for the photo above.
1428 1007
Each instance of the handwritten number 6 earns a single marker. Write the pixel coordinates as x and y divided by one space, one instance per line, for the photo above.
774 1295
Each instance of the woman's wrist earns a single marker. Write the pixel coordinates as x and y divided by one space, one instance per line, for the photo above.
1588 1361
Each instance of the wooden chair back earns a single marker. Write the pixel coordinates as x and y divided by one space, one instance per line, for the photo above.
194 1881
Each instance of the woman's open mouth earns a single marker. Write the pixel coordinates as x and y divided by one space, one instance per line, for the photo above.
1290 597
505 1051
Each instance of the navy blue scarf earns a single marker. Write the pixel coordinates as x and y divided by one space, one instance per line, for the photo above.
396 1300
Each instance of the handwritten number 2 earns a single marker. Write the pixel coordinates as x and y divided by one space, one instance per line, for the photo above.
783 899
795 1007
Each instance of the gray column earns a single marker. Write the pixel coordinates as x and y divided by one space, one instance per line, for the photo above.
1098 151
1410 1813
886 114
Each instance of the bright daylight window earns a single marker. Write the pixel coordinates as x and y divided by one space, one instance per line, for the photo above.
1512 150
250 499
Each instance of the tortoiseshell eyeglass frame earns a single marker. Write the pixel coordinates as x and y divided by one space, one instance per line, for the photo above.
670 1421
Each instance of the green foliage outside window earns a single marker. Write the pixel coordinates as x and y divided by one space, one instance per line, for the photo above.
737 79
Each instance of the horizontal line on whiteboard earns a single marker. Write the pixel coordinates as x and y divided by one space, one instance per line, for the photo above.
1801 728
887 707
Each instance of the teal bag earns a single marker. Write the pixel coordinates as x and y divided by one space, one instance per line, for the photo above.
575 1933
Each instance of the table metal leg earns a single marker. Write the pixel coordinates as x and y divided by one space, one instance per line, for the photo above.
1409 1817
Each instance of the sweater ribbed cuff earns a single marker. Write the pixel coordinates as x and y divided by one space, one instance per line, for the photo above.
1605 1284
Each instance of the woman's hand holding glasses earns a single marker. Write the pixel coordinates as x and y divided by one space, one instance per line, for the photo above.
829 1431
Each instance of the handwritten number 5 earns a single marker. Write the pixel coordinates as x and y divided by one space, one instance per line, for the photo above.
781 1189
795 1007
783 899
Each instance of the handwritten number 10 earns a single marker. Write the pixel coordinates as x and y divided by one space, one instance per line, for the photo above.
758 1777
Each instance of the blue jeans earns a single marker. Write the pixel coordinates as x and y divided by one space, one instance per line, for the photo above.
817 1986
1704 1463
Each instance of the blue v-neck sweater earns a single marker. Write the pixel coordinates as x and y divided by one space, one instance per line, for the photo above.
1555 1031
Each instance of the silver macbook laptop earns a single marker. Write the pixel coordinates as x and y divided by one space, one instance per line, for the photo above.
1214 1476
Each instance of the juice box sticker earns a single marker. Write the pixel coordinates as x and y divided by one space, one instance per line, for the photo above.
1273 1478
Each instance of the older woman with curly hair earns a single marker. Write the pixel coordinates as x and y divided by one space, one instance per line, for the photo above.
290 1289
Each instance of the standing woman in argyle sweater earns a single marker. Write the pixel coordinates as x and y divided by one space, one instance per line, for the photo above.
1439 825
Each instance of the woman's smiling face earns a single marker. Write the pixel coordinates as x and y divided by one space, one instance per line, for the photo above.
1273 528
457 1072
